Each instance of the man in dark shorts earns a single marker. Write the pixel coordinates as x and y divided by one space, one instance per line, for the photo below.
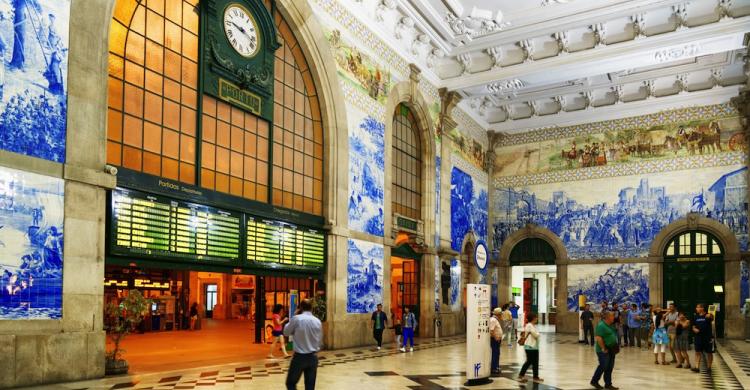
704 340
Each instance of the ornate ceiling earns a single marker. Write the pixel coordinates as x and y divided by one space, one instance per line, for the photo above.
533 63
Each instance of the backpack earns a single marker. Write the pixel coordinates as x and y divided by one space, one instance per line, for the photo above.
522 339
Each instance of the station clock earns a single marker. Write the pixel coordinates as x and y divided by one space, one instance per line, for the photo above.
238 41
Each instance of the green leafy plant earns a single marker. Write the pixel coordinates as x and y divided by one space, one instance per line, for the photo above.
319 307
122 318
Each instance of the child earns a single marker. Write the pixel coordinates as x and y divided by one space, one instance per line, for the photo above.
398 331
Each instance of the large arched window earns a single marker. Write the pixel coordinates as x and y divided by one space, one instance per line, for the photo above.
693 243
407 165
160 125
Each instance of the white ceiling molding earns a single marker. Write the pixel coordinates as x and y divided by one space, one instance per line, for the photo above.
642 107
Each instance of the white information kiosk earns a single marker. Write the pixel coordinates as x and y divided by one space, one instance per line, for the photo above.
478 352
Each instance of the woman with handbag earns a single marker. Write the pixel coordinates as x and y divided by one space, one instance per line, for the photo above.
530 341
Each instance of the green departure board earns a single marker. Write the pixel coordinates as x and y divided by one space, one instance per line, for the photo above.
275 242
159 227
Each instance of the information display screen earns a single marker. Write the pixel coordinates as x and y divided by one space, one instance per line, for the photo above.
282 243
149 225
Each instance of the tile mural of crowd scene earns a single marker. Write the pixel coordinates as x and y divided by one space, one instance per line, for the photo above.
359 70
367 176
33 77
618 146
621 283
364 288
31 245
619 217
468 208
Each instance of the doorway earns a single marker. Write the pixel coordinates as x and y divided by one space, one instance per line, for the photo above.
405 266
534 280
211 298
694 273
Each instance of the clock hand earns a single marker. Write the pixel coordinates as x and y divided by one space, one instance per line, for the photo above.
242 30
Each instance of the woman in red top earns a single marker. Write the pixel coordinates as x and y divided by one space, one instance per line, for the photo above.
278 327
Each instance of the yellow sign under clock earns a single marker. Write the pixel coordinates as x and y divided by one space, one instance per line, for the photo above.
239 96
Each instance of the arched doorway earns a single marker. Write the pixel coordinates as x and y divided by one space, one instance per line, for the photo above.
405 265
534 278
694 273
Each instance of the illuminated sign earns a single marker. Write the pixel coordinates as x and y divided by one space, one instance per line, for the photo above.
115 283
151 226
146 283
281 243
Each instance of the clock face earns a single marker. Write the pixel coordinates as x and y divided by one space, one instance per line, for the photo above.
241 30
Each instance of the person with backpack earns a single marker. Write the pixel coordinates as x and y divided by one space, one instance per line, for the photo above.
530 341
410 322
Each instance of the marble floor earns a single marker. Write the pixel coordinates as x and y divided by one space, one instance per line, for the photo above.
565 364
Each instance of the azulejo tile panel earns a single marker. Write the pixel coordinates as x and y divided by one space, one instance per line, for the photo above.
364 276
618 217
653 166
361 32
659 118
622 283
639 139
31 245
469 208
366 176
33 77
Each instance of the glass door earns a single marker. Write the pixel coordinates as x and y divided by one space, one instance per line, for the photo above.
212 295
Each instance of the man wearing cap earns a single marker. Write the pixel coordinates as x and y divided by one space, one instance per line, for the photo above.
496 337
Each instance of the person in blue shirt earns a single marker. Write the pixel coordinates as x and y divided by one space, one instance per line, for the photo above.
634 325
514 313
410 323
307 331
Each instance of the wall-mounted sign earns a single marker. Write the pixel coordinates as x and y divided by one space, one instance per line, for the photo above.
282 243
480 256
157 227
153 226
240 97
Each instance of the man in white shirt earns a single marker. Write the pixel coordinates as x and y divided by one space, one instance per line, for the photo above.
496 337
307 332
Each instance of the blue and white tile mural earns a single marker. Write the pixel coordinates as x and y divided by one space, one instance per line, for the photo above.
468 208
744 282
619 217
455 297
621 283
438 161
31 245
364 287
438 266
367 176
33 77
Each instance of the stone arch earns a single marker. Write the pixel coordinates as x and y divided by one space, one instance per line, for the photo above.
316 50
733 317
691 222
407 93
533 231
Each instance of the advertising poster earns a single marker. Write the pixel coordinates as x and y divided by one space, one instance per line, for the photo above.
478 353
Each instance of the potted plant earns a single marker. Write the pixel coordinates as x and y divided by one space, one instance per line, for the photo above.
120 320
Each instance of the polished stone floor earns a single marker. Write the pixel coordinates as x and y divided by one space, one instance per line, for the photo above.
565 364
